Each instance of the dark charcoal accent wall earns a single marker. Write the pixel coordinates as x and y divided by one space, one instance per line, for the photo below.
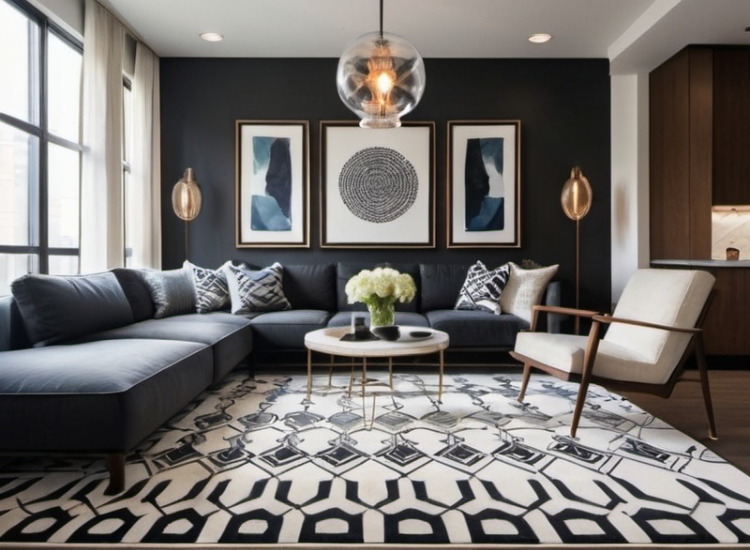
563 106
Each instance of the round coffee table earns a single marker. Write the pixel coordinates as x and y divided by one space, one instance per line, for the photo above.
328 340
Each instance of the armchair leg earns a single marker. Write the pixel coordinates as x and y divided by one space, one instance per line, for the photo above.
700 356
524 381
116 468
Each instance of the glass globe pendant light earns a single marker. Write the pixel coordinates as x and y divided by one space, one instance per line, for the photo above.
380 77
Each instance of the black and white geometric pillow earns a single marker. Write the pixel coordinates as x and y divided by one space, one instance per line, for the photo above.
211 288
482 288
256 290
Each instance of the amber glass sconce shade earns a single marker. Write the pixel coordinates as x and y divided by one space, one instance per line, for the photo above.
576 195
187 200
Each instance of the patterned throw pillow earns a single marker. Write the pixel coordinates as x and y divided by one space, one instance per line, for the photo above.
256 290
525 289
211 287
482 288
172 292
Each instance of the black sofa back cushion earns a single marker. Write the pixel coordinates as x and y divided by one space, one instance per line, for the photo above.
58 308
441 284
310 286
347 270
136 291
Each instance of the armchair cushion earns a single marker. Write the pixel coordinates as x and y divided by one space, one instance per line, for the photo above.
666 297
565 352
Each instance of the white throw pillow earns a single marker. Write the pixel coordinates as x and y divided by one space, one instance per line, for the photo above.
525 289
256 290
482 288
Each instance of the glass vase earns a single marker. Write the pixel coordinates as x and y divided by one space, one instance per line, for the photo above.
381 314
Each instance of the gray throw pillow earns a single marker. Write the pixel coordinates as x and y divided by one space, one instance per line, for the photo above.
211 287
56 308
172 291
256 290
482 288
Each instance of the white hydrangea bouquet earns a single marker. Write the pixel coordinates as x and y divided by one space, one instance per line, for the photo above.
379 289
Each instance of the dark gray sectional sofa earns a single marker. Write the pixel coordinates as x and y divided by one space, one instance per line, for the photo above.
85 368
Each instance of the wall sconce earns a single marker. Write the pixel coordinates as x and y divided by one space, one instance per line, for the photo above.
187 200
380 77
576 202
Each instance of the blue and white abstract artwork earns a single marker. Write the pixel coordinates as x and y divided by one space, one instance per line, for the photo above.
484 185
272 176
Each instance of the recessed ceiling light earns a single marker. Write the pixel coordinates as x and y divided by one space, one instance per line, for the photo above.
212 37
540 38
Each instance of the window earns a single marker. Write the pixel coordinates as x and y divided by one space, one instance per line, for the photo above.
40 145
127 158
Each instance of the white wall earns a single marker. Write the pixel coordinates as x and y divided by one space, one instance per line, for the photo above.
630 202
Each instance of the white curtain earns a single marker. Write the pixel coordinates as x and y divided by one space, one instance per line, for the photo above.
145 206
102 234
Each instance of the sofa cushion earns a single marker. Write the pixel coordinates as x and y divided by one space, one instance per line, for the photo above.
310 286
57 308
477 329
172 291
230 336
482 288
440 284
346 270
211 287
525 289
113 393
286 329
137 292
256 290
403 318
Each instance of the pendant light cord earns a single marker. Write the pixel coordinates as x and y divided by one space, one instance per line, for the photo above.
381 19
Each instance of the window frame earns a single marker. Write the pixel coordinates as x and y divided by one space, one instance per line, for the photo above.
38 198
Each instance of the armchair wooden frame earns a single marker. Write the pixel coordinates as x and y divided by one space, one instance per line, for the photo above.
695 346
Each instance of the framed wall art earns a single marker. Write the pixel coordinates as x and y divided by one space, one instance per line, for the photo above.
377 186
272 184
484 184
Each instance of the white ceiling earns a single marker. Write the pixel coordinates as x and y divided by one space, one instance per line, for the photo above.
636 35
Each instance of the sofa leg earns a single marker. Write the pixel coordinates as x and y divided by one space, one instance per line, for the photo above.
116 468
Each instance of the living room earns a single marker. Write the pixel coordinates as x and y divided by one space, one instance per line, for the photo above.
569 108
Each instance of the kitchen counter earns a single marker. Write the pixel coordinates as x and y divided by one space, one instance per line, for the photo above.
701 263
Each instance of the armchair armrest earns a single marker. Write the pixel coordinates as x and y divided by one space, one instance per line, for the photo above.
609 319
557 310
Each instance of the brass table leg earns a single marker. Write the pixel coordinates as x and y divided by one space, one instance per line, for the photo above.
309 373
390 372
364 374
440 378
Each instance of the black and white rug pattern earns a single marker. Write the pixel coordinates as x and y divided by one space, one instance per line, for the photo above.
254 461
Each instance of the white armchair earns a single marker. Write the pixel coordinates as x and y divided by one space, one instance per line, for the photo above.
653 330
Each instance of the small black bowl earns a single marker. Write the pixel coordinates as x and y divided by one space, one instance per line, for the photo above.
388 332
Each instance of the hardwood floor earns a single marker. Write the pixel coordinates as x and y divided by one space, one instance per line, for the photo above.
730 391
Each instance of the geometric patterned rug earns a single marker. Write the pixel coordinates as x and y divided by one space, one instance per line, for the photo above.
252 461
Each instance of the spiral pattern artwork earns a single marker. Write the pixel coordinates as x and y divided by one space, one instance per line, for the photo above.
378 184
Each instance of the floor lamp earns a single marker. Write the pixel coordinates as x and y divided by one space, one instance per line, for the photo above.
187 201
576 202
